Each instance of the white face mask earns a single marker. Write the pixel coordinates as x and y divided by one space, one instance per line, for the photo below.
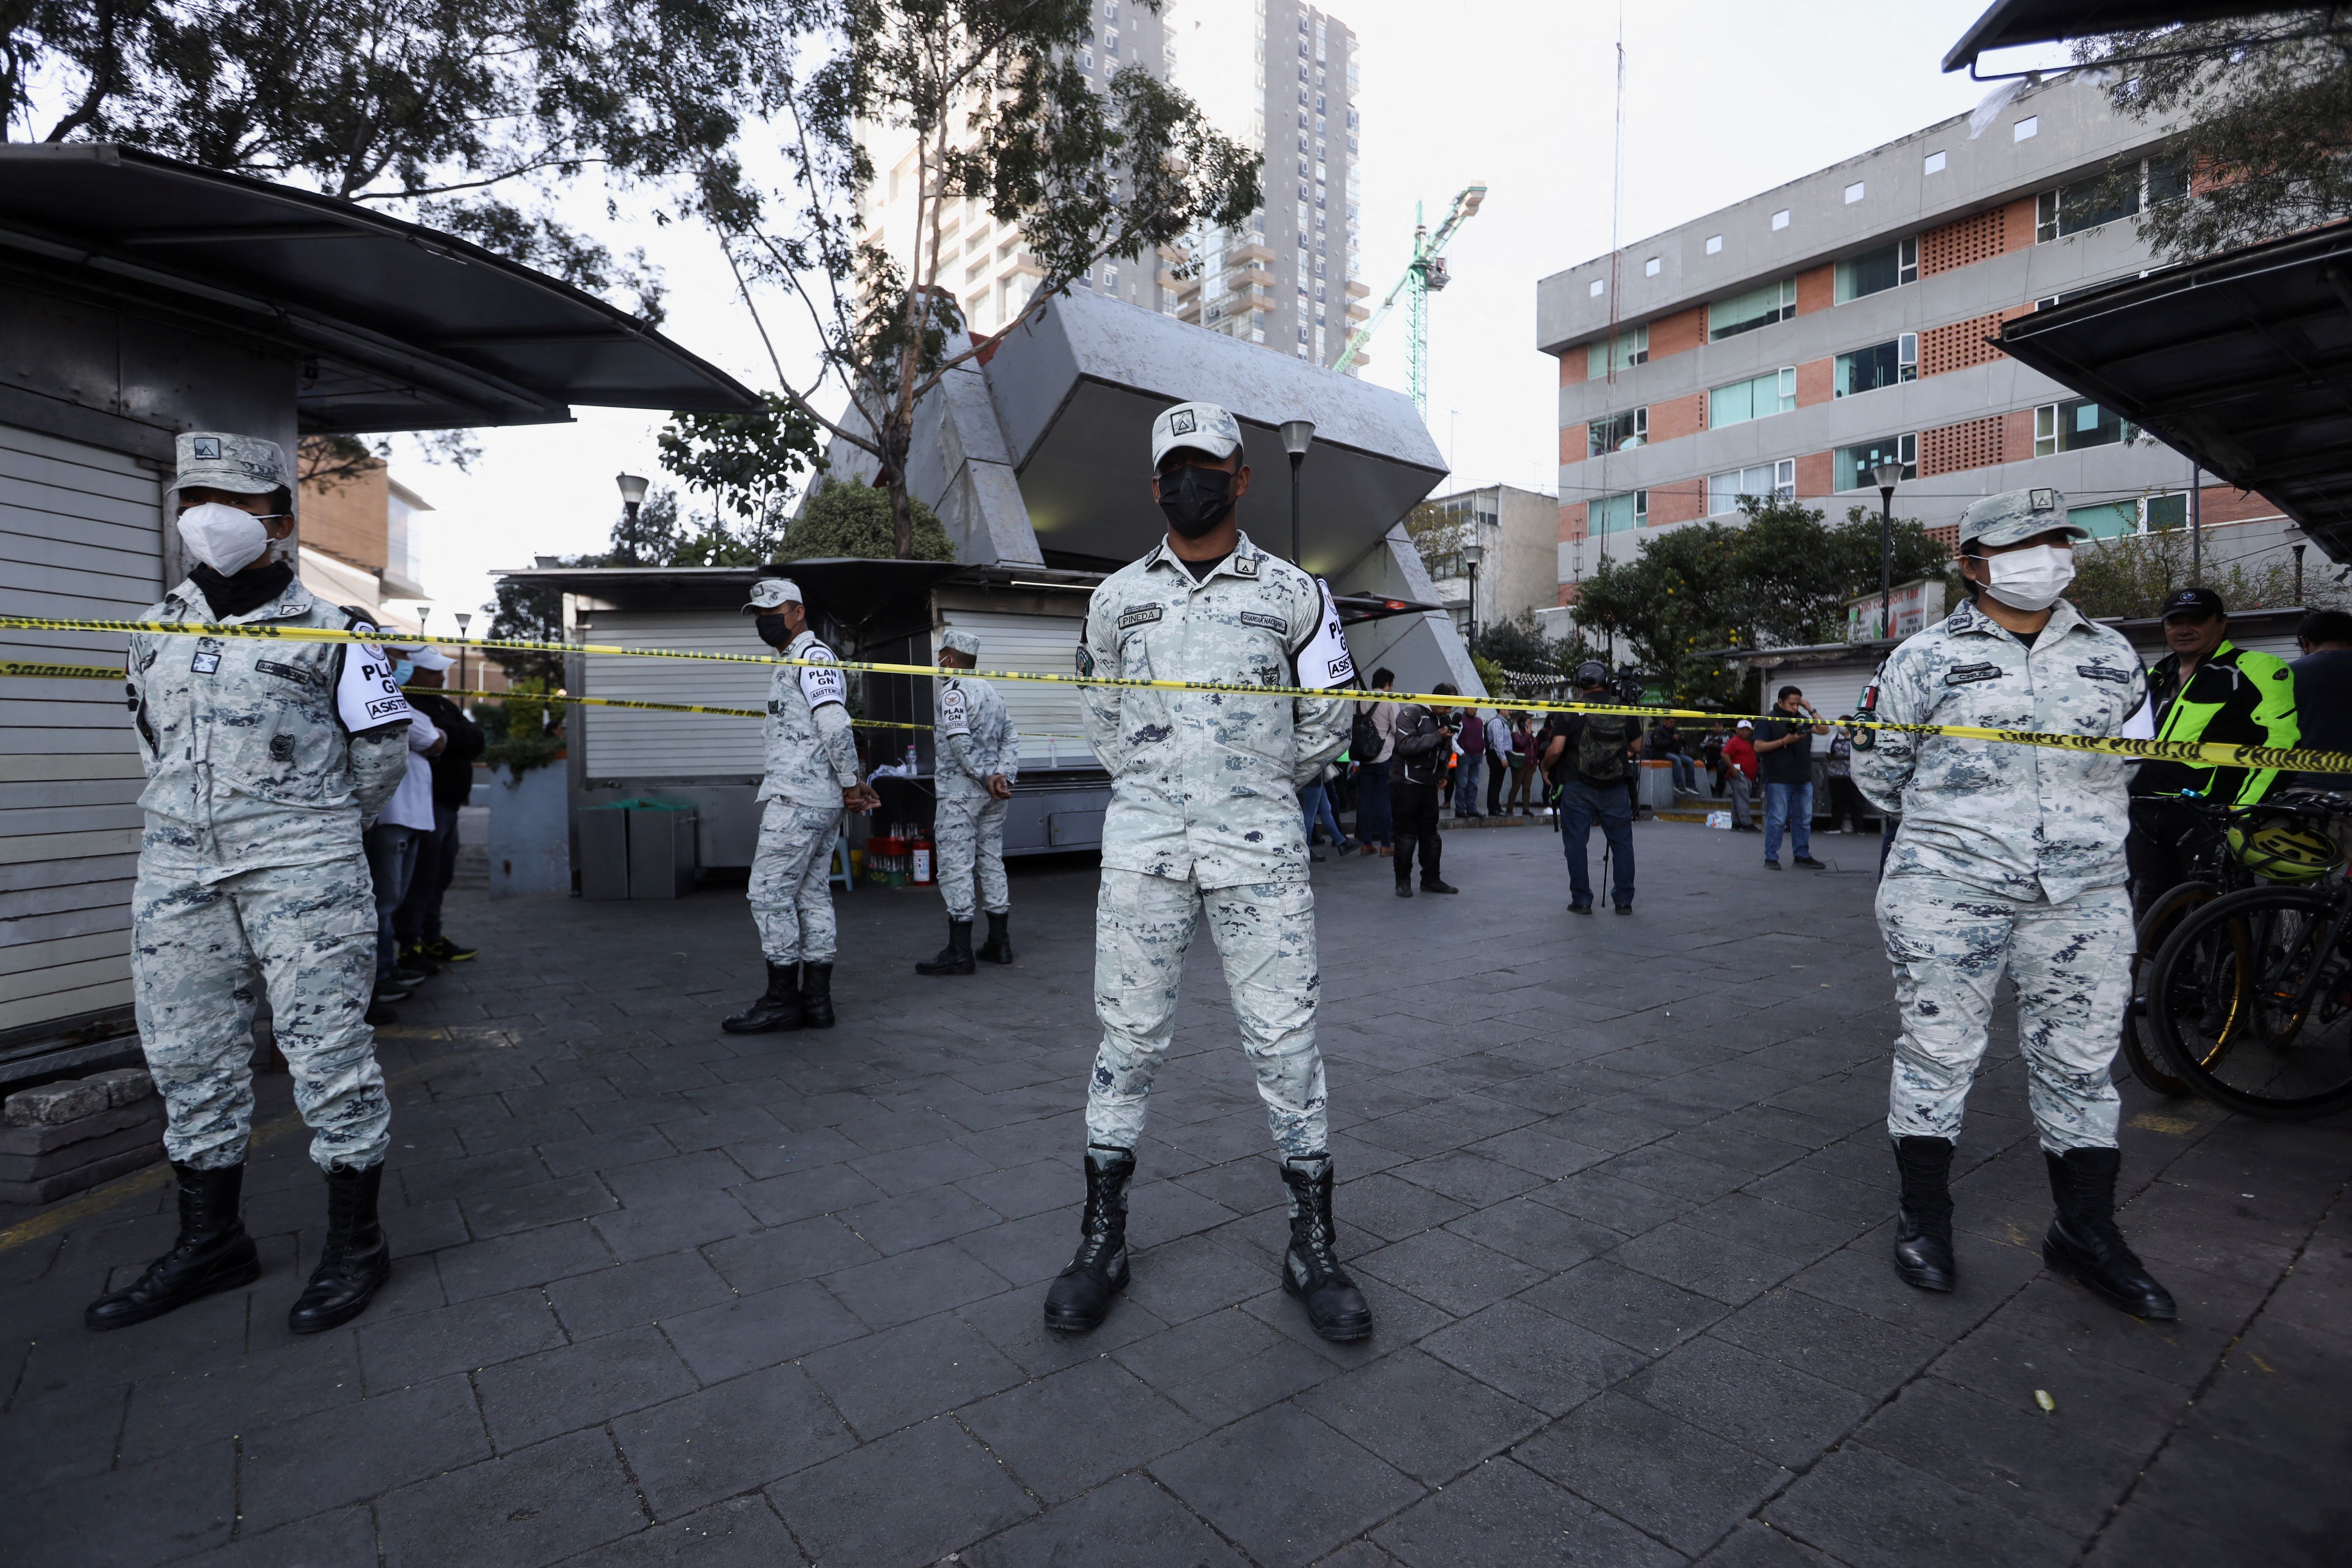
2030 579
222 537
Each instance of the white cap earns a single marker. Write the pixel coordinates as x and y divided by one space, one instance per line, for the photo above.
772 593
1745 724
428 657
1197 426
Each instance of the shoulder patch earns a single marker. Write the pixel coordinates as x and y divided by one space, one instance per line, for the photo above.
1141 614
2104 672
1273 624
1247 567
1964 674
1085 660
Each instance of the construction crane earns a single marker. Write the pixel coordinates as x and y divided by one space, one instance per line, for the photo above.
1423 275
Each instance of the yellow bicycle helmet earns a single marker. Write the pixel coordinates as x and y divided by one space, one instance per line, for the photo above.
2283 852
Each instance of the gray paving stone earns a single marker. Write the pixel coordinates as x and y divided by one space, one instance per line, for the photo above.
742 1533
754 1331
1646 1314
728 1439
1664 1477
502 1210
1453 1271
798 1195
1015 1324
146 1513
525 1508
1534 1357
897 1290
1069 1433
1604 1199
1469 1178
1131 1523
885 1381
1850 1349
1705 1263
1755 1545
1773 1410
1422 1415
643 1291
1224 1366
1502 1513
423 1346
1331 1491
345 1536
1865 1509
46 1442
859 1507
353 1452
2058 1465
1182 1280
586 1384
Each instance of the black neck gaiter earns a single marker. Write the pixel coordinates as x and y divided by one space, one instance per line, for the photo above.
245 592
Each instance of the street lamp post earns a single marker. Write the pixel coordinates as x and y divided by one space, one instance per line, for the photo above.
1888 476
632 492
1471 553
1297 435
464 620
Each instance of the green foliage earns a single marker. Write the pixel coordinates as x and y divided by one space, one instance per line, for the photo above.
2131 576
1782 578
1520 644
2262 103
845 519
520 734
745 463
530 612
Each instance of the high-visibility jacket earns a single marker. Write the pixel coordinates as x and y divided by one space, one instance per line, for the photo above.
2237 698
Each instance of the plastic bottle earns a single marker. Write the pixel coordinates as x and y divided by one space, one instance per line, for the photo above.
919 859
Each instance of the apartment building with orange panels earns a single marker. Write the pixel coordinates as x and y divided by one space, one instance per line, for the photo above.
1788 344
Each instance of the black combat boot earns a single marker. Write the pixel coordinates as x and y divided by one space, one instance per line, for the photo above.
780 1008
1311 1270
1079 1298
2083 1244
354 1263
1923 1224
213 1253
816 996
953 959
999 949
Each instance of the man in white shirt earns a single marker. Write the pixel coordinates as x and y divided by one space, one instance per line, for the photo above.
405 824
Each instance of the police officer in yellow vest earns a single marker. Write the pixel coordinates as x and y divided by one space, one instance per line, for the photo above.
264 758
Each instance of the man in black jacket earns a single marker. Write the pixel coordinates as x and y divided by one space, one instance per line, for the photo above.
417 921
1417 763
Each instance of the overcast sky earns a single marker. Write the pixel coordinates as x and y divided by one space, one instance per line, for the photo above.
1723 98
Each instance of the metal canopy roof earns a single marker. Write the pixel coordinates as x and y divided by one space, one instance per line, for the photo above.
2013 22
399 327
2243 363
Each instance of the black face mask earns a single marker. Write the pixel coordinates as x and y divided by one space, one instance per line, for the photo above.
774 633
1196 500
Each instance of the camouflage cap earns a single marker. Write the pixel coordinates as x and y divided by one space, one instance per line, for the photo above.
960 641
772 593
2016 515
1197 426
244 465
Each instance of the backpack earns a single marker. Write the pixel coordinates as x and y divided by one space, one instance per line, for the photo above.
1363 738
1601 748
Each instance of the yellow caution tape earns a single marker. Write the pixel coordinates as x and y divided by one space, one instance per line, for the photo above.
2204 752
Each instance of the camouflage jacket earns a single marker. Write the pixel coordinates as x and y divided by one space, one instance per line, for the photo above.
1205 784
810 757
259 751
975 739
2013 819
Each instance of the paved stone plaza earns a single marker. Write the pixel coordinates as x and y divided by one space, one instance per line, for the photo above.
1619 1190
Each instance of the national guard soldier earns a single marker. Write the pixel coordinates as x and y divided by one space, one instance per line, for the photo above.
977 757
264 757
1205 820
2011 858
812 777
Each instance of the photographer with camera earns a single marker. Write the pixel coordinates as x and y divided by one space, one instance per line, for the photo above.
1591 756
1424 742
1784 750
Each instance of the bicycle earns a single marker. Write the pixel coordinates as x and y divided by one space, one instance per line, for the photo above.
2214 871
2250 998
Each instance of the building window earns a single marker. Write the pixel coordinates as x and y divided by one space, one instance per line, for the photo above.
1850 466
2087 204
1757 308
1765 481
1600 285
1617 513
1633 348
2027 129
1617 432
1874 272
1774 392
2143 514
1855 192
1880 364
1650 267
1780 218
2077 423
1932 164
1715 245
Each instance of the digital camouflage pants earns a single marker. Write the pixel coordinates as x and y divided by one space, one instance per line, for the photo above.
202 954
791 891
1265 933
2071 962
970 837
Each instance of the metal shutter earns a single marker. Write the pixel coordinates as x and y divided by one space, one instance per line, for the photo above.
1045 717
620 744
80 537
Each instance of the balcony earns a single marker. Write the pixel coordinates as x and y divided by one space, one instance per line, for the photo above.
1359 291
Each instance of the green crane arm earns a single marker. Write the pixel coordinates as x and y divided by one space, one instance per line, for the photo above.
1466 206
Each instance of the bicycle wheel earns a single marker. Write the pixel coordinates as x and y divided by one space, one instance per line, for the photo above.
2140 1048
2251 1003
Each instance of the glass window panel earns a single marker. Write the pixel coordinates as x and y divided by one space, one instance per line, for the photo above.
1615 514
1788 379
2082 423
2167 511
1632 346
1851 466
1874 272
1759 307
2108 521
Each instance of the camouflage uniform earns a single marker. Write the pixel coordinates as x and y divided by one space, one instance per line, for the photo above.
262 759
1204 815
811 759
2009 857
975 739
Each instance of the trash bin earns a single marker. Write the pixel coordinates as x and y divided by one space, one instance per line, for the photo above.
637 849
